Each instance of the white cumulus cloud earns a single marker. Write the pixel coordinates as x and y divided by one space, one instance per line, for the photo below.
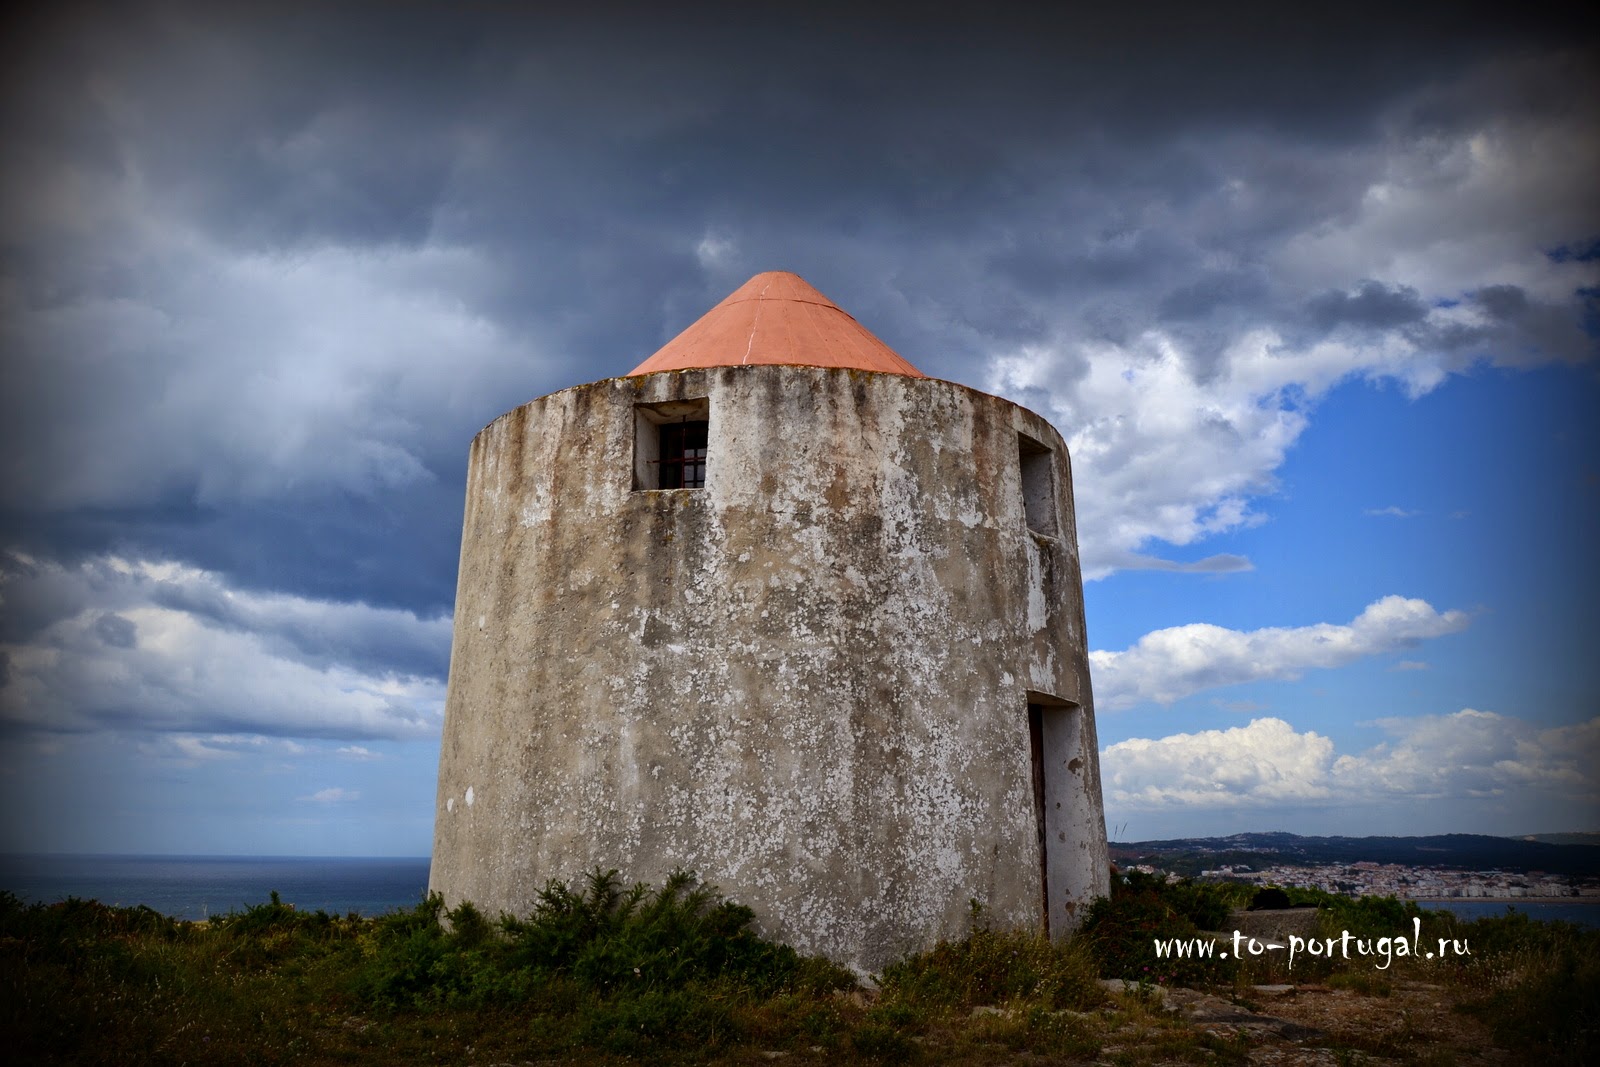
1266 762
1168 665
333 795
1476 754
1468 755
166 648
1423 253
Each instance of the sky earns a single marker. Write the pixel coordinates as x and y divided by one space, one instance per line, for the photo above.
1313 298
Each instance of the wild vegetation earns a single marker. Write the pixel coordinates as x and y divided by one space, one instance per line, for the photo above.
602 972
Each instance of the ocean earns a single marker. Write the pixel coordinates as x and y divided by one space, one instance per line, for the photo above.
1584 914
197 887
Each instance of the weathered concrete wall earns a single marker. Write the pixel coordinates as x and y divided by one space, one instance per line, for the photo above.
808 681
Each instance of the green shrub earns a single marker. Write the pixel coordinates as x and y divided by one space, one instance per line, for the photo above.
605 941
74 919
995 967
648 1019
1122 928
1536 984
1206 904
1363 916
882 1044
609 938
600 971
468 928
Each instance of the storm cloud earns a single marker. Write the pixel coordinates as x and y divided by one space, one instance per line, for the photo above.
268 268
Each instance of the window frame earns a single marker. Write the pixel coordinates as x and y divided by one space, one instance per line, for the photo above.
681 462
651 424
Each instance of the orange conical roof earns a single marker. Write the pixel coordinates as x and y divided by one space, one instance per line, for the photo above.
776 317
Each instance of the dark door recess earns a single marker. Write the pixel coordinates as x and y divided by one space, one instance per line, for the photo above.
1036 750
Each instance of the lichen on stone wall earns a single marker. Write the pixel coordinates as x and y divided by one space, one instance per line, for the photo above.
807 680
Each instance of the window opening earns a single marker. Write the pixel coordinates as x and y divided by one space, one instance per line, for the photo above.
683 455
671 444
1038 485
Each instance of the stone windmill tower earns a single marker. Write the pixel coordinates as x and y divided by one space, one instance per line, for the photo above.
780 609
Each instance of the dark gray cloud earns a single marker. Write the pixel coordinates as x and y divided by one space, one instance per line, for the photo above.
116 631
267 269
1374 306
372 642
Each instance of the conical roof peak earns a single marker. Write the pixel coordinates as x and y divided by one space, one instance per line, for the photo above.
777 318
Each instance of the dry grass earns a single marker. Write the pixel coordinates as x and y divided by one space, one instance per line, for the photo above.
608 974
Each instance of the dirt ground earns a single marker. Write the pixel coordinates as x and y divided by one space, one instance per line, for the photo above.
1313 1024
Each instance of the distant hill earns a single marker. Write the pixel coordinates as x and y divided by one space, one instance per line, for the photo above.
1462 852
1590 838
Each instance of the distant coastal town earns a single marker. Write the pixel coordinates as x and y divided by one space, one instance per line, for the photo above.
1557 868
1413 883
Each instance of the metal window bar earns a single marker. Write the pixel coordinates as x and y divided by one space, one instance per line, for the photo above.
683 455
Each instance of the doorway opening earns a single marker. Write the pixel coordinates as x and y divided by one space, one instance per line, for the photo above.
1036 752
1056 763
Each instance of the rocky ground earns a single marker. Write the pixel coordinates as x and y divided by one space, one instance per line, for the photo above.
1409 1023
